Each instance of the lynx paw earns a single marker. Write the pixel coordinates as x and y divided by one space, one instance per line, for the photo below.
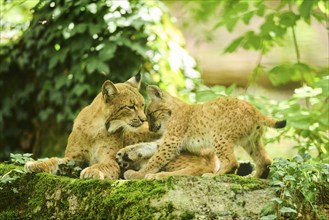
126 156
32 166
90 172
131 174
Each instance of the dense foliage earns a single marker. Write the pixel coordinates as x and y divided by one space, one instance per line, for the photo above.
302 187
61 60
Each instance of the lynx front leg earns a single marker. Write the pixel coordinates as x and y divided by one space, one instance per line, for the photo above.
48 166
166 152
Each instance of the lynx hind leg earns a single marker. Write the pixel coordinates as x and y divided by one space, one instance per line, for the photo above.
48 166
132 154
189 165
228 161
262 160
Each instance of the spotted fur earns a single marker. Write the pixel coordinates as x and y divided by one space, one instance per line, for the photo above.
221 123
98 131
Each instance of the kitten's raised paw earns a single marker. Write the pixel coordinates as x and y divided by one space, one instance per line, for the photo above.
126 156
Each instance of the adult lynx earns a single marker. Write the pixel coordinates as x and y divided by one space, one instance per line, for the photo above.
98 130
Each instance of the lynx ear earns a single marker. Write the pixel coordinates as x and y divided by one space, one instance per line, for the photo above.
154 92
108 90
135 81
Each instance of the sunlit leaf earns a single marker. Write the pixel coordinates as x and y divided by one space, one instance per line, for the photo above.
287 210
233 45
305 9
204 96
246 17
268 217
281 74
288 19
230 24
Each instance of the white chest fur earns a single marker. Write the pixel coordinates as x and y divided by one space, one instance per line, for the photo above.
196 143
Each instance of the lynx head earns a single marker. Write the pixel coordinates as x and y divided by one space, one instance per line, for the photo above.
123 105
158 110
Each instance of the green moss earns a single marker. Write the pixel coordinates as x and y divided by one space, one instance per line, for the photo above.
187 215
5 168
42 195
244 183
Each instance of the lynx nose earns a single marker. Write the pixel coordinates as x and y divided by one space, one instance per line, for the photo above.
142 117
155 127
136 123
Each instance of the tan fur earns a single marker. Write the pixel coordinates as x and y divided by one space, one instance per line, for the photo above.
98 131
136 157
221 123
138 151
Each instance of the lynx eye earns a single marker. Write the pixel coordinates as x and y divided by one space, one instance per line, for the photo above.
131 107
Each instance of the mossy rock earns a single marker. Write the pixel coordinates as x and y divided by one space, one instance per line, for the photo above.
46 196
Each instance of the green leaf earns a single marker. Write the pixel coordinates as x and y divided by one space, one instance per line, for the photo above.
107 52
230 23
288 19
204 96
230 89
287 210
260 9
246 17
277 183
92 64
281 74
79 89
81 28
303 72
60 82
305 9
271 28
289 178
103 67
95 28
268 217
277 200
234 45
53 62
251 41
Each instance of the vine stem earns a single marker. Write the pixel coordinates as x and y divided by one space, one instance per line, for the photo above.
254 75
295 44
303 81
295 40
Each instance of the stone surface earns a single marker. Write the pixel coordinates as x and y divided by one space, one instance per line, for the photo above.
49 196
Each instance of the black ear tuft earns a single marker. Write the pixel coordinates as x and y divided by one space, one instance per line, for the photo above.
135 81
138 76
